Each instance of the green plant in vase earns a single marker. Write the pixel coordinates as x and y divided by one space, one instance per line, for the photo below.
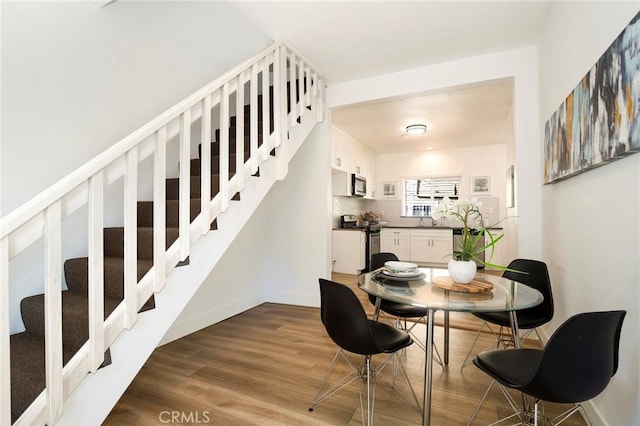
462 267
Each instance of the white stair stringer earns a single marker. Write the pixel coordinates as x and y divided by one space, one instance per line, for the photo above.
97 394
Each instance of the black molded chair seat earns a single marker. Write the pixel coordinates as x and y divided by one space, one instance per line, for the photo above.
526 319
388 339
576 365
401 310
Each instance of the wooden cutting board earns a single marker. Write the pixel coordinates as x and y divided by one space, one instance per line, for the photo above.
476 286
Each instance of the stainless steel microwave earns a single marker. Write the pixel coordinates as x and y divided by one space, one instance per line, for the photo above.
358 185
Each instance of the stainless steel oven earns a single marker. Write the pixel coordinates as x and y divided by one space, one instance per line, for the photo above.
372 244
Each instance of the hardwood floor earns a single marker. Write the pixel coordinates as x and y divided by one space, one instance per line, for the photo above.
263 367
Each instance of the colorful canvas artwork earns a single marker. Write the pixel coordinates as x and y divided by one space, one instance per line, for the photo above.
599 121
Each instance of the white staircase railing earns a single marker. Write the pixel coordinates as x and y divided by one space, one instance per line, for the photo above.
42 217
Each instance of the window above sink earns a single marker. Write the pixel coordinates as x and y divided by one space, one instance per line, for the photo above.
422 194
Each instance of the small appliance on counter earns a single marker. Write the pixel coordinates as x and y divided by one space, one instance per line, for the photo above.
348 221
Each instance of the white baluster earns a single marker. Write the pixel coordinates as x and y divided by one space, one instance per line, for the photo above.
185 184
53 310
5 353
266 105
224 147
205 163
281 152
299 84
307 86
277 95
314 85
320 106
96 271
131 237
292 92
159 209
253 117
240 132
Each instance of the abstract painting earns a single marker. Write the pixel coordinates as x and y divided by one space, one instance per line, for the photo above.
599 121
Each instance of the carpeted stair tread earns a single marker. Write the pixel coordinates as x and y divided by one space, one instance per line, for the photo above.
114 241
75 314
215 146
233 137
173 188
27 369
76 272
196 164
172 217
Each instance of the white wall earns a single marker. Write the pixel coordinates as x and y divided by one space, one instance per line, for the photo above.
591 222
76 78
521 65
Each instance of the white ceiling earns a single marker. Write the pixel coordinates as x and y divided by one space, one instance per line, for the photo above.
348 40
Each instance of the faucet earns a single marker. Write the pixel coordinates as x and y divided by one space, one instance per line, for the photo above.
420 223
434 222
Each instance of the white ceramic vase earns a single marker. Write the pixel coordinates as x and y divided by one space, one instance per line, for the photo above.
462 271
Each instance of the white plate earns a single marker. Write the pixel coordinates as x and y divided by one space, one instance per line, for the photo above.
402 274
396 266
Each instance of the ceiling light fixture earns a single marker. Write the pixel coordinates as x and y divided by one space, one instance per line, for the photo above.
416 129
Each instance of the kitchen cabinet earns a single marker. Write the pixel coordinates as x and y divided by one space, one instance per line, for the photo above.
396 241
349 156
339 154
348 251
431 245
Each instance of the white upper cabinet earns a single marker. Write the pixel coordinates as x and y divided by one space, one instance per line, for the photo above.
338 154
349 156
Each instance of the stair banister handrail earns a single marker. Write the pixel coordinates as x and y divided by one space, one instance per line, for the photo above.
40 202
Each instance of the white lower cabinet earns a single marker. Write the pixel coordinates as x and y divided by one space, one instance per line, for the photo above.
431 245
418 245
348 251
396 241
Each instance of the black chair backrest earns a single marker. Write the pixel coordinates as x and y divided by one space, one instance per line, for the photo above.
344 319
579 359
536 276
378 259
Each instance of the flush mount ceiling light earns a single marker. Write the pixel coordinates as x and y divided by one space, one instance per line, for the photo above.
416 129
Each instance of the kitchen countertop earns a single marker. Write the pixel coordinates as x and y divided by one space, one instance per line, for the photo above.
409 227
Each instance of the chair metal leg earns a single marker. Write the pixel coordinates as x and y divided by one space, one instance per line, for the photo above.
368 376
565 415
349 378
517 412
421 345
467 361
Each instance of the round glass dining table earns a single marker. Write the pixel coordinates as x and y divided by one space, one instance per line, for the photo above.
505 296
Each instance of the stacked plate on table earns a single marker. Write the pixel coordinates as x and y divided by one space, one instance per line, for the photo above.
402 270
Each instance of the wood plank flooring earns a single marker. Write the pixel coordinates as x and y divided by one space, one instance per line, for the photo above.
263 367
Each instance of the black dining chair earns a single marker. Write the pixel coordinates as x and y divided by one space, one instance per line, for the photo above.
532 273
401 311
347 325
576 365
